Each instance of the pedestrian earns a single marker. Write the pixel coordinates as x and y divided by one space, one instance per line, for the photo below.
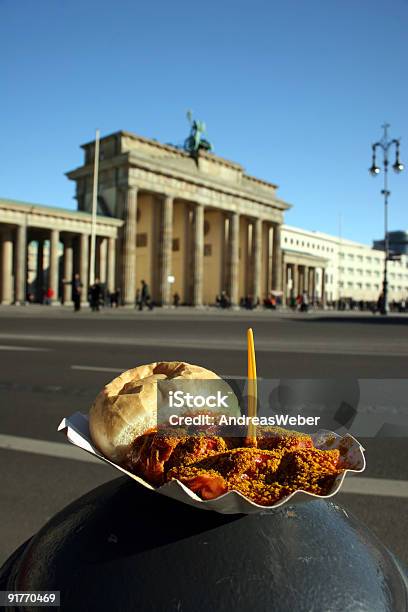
380 303
76 292
145 299
114 298
49 296
176 300
95 294
304 307
225 301
250 302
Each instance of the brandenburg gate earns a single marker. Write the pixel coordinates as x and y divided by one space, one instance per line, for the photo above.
202 221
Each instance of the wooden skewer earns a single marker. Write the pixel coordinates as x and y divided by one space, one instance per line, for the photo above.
252 390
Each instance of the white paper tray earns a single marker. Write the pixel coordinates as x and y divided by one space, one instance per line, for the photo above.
76 428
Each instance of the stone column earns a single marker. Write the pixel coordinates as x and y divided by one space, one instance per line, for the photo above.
166 250
40 271
111 264
84 266
269 260
257 259
295 277
277 259
68 270
53 276
233 259
306 279
103 248
323 287
311 284
21 264
300 279
129 248
7 268
285 278
198 250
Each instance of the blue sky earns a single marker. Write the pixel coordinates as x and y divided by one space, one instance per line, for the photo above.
295 91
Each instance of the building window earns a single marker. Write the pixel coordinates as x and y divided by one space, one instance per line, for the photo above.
176 244
207 250
141 240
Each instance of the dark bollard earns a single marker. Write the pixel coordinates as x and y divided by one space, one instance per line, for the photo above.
121 547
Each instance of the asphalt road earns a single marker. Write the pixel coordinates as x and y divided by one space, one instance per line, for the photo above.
54 362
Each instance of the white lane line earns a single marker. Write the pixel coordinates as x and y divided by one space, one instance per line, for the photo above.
357 485
6 347
44 447
383 487
97 368
92 368
392 349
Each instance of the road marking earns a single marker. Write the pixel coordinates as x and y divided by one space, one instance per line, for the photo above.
92 368
383 487
357 485
6 347
373 348
44 447
97 368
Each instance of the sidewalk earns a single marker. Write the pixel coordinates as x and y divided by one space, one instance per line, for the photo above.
60 311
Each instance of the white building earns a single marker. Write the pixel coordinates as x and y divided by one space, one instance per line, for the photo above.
351 269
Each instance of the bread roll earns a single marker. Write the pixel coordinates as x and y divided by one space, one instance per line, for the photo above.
127 407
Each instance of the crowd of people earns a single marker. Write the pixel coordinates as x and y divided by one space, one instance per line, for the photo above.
98 297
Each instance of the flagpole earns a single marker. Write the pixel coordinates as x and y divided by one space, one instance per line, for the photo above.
94 211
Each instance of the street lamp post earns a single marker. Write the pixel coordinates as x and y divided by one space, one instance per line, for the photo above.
385 145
